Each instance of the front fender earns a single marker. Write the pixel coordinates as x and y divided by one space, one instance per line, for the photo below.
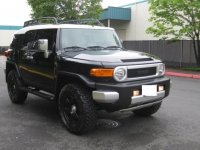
87 82
11 66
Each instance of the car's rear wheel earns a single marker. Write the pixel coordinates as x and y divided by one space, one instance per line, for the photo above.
76 109
16 95
148 111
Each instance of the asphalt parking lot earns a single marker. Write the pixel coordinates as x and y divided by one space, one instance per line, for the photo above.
36 124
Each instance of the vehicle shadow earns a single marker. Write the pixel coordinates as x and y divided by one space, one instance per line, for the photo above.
108 123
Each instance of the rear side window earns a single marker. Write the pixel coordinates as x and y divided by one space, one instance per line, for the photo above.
17 42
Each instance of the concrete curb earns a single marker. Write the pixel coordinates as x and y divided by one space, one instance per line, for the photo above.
182 75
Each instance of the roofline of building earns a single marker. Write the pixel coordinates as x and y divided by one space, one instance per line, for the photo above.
10 27
131 4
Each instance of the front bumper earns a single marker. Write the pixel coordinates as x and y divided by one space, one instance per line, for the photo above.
118 96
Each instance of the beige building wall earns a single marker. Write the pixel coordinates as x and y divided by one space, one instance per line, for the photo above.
135 30
6 37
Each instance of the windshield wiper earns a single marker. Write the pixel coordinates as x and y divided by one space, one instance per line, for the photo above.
96 47
74 48
113 47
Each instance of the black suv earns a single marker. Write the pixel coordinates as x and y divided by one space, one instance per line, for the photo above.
84 68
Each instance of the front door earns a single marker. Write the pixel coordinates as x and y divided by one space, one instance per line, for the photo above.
36 70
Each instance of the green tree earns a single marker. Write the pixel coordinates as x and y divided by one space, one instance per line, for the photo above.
176 19
66 9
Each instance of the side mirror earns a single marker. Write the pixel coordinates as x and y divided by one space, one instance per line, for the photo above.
122 43
43 46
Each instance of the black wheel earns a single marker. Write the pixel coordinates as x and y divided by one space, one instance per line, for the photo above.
76 109
17 96
148 111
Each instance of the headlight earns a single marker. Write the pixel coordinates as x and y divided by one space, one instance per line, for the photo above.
161 69
120 73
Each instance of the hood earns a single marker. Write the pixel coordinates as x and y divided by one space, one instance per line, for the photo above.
113 56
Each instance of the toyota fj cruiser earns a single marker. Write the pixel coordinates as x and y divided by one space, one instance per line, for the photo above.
83 67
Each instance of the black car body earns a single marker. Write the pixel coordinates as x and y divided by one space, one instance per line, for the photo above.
46 58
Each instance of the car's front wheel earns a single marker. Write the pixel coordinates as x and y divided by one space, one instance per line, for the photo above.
76 109
147 111
16 95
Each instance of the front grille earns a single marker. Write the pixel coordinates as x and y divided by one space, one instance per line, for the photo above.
141 72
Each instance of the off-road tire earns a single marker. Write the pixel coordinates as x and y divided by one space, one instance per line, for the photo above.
147 111
17 96
76 109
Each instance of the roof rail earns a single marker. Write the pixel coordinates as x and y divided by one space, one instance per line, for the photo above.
53 20
83 21
42 20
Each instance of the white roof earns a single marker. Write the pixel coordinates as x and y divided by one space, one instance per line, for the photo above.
58 26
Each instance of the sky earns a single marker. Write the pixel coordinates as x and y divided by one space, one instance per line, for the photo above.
16 12
107 3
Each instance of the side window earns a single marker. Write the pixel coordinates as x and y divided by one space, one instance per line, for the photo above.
27 43
17 42
29 40
50 35
29 47
16 45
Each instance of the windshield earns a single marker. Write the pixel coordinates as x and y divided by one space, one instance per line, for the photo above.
89 38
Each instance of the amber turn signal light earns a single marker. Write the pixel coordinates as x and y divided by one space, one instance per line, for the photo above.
101 72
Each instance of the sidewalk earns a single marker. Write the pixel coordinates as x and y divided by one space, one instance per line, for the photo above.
182 73
2 62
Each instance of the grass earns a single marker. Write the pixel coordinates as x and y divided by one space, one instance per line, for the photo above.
191 68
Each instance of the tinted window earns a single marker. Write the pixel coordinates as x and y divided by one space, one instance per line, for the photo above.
49 34
17 42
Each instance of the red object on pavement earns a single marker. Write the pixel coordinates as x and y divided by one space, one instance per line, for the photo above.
7 52
196 76
182 75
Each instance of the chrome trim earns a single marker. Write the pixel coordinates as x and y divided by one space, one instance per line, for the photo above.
140 106
142 98
105 96
141 66
115 70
